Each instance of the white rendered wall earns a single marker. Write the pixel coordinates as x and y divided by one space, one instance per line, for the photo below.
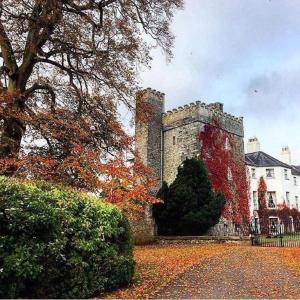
278 184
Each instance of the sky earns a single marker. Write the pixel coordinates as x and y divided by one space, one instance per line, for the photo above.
244 53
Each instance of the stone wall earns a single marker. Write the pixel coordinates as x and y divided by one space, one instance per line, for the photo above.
149 147
181 129
179 143
149 134
169 138
144 228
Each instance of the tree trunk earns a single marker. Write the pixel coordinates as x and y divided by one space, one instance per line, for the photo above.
13 127
11 137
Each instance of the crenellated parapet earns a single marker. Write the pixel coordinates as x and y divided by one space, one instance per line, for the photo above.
151 93
205 113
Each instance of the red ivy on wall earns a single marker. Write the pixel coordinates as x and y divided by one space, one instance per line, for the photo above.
225 163
283 212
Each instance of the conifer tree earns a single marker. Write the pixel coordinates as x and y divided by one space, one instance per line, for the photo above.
190 205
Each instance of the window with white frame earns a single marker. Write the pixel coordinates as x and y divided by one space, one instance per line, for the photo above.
288 199
296 202
255 200
286 177
253 172
270 173
295 180
271 199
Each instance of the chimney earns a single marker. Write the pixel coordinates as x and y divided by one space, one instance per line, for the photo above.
253 145
285 155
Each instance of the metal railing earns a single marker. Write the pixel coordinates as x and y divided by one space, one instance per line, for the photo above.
275 233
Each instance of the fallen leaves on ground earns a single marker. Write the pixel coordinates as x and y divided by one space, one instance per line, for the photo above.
157 265
213 271
291 257
243 272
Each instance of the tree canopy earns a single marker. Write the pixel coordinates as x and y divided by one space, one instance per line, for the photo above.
67 66
190 205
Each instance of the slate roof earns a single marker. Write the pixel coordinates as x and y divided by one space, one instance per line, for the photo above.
262 159
296 170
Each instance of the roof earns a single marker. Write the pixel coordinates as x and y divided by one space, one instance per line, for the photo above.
296 170
262 159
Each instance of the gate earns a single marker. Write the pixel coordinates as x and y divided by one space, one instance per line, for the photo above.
275 233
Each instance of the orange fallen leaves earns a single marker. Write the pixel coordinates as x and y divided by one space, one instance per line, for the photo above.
291 257
157 265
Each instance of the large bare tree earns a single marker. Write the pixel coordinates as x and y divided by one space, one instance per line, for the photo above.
66 66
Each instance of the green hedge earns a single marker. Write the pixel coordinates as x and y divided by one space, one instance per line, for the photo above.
58 243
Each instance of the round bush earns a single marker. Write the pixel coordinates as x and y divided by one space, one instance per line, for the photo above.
58 243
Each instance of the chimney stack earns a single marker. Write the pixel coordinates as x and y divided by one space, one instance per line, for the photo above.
286 155
253 145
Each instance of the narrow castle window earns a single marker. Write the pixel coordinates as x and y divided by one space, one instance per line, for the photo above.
174 140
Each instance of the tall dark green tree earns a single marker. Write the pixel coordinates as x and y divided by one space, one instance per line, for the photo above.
190 205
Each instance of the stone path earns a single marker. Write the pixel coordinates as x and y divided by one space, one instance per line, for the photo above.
249 272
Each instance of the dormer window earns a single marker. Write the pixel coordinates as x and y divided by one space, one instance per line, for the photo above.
270 173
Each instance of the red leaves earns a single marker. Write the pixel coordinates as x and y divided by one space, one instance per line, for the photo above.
261 193
225 163
281 211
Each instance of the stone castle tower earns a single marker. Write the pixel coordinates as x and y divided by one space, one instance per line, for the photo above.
170 137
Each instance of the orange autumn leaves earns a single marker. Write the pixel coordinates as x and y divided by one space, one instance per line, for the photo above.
157 265
78 151
291 257
225 271
65 75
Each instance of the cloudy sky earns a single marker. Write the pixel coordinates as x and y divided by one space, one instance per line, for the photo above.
244 53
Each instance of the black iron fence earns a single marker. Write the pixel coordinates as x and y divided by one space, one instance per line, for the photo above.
275 233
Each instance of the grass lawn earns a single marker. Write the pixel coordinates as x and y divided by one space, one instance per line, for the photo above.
276 240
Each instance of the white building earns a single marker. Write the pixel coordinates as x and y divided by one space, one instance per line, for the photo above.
282 178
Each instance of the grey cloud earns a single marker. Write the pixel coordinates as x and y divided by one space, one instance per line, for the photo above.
273 96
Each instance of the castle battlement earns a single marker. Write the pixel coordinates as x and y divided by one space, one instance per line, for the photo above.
154 92
171 136
210 107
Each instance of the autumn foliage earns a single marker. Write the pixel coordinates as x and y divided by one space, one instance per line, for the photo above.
223 157
281 211
68 66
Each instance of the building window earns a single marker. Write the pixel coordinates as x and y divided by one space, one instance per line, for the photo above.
174 140
288 199
286 174
295 180
297 204
255 200
253 173
271 197
270 173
